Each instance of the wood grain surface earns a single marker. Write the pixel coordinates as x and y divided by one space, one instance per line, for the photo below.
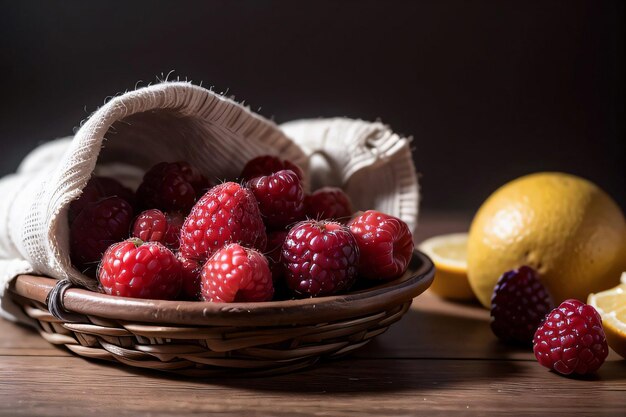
440 359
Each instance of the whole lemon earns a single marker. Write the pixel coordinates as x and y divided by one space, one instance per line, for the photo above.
564 226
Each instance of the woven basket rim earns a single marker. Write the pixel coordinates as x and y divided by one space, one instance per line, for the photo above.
301 311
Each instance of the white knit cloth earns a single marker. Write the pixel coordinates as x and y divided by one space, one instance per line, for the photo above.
179 121
370 162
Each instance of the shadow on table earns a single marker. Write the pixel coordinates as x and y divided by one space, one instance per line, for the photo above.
614 369
444 332
353 375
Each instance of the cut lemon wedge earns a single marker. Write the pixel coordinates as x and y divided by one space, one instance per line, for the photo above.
611 304
449 254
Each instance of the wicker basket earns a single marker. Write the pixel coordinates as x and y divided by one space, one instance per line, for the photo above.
210 339
179 121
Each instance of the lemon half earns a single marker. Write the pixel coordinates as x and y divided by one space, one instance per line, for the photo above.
449 254
611 304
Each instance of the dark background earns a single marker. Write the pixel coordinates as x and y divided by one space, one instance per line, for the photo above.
490 90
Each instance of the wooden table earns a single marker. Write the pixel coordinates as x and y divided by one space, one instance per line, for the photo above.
440 359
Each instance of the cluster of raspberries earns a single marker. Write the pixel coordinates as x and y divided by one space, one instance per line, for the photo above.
568 339
237 241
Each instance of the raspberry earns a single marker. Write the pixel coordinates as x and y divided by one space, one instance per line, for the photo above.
320 258
267 165
385 243
571 340
280 197
275 241
235 274
228 213
110 187
171 187
98 226
150 226
175 222
328 203
136 269
90 194
97 189
190 272
155 226
518 305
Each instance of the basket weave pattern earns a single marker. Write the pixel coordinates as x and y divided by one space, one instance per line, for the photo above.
237 343
208 351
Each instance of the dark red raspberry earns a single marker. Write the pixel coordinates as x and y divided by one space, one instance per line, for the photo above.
385 243
267 165
171 187
90 194
236 274
280 197
571 340
328 203
97 227
110 187
228 213
190 271
140 270
97 189
155 226
175 222
320 258
518 305
275 241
